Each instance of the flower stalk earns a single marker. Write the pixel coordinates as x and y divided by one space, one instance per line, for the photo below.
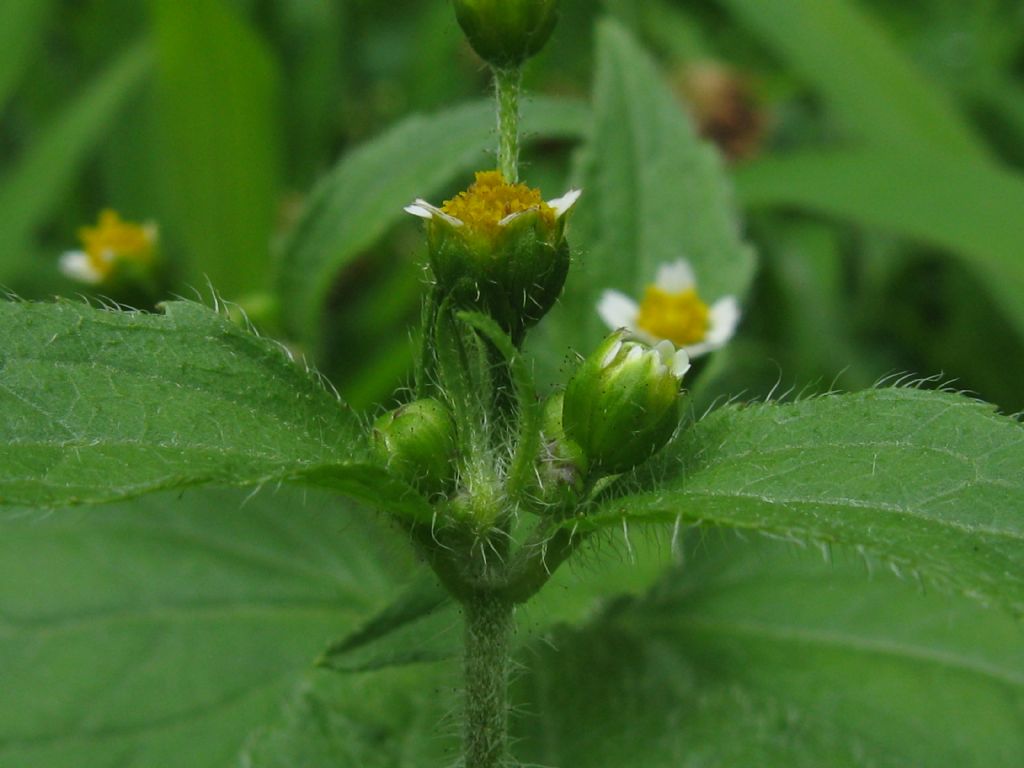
507 83
489 628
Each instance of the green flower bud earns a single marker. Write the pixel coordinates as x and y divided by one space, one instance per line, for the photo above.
417 443
622 405
561 465
500 249
505 33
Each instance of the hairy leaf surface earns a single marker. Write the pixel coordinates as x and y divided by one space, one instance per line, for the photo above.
102 405
759 654
754 653
932 482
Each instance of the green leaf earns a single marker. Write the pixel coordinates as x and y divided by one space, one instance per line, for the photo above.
398 717
21 26
933 483
413 629
759 654
976 212
102 405
219 114
755 653
875 88
652 193
365 193
29 190
162 631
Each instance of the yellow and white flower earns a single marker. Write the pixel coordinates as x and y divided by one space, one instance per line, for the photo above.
499 247
108 247
671 309
492 204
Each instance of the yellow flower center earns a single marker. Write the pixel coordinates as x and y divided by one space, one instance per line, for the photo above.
113 238
682 317
490 199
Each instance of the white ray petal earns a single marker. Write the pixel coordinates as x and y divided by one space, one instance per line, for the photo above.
696 350
724 317
665 350
78 266
675 277
418 210
425 210
618 310
680 363
563 204
611 354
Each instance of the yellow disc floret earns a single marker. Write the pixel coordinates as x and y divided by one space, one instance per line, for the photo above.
490 199
113 238
682 317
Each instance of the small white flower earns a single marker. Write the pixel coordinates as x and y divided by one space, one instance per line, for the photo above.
672 310
107 244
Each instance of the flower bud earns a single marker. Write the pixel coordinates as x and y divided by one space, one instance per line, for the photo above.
499 248
622 405
417 443
505 33
561 465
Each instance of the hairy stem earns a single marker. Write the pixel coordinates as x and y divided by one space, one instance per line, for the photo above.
506 87
489 628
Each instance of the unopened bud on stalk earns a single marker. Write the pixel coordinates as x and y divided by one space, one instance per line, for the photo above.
417 443
622 405
505 33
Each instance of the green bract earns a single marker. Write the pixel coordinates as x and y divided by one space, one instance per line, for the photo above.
623 403
562 465
505 33
417 442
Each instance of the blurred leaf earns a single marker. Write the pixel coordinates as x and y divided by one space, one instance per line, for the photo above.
974 211
875 88
219 114
311 37
757 654
21 26
652 193
931 482
162 631
364 195
30 190
809 308
104 405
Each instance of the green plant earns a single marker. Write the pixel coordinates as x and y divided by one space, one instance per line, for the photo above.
285 626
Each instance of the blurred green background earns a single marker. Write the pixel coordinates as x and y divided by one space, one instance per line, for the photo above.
875 147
